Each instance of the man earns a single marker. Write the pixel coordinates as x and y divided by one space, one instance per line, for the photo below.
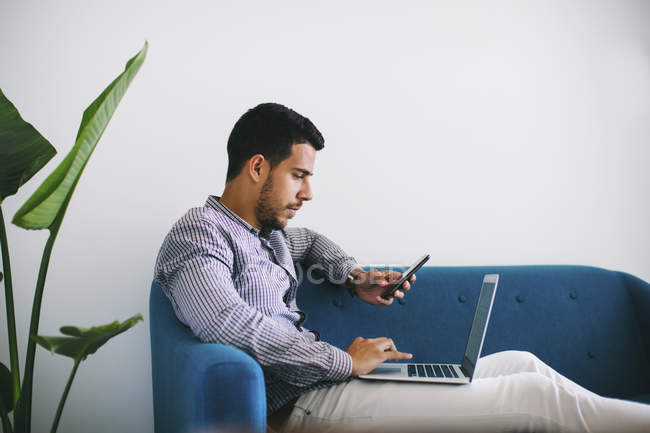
228 269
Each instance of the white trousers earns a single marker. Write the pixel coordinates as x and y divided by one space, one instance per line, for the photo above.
512 391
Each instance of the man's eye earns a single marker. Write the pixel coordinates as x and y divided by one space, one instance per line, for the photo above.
299 176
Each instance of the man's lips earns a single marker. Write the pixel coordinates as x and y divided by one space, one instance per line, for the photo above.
293 210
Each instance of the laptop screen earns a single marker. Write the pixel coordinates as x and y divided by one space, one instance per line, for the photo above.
479 325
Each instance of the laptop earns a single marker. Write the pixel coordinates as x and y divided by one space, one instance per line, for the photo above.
448 373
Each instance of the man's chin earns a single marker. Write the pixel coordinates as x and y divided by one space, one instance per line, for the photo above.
278 224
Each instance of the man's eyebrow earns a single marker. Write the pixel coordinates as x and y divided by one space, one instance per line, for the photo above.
303 171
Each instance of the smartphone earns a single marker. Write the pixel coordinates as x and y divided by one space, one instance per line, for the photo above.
405 276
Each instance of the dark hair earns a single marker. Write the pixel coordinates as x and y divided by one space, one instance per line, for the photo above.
270 129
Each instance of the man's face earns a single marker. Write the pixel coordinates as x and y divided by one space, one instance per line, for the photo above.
286 188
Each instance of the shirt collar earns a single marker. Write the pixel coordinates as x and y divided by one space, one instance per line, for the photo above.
215 203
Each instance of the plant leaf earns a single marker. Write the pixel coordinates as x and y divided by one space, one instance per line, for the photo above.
49 202
81 342
23 150
6 387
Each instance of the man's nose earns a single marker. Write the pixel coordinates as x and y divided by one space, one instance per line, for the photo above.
305 192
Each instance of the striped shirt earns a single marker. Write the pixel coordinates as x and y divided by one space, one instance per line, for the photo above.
234 284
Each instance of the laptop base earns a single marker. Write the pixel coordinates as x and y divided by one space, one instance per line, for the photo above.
431 373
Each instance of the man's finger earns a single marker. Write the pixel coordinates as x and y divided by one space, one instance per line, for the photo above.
398 355
399 294
390 346
412 279
406 285
386 302
377 339
383 301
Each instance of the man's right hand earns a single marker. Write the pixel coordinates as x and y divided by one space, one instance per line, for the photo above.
367 354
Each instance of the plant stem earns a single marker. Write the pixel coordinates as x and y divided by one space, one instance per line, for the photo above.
59 410
6 424
26 395
11 318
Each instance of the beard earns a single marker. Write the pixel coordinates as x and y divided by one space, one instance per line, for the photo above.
268 210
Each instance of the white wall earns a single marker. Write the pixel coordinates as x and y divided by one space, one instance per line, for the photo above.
485 133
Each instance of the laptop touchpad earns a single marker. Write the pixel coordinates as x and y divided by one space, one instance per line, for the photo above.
387 370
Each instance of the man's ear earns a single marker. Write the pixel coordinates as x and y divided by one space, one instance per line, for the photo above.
257 167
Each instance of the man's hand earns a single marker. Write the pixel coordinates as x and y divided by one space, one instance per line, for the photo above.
369 286
368 354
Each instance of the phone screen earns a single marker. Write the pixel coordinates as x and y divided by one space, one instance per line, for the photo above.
406 275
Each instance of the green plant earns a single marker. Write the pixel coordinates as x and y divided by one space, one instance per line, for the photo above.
23 152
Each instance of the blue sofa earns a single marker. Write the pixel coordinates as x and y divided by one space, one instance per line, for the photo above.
590 324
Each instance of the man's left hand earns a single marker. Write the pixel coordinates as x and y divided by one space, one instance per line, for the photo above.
371 285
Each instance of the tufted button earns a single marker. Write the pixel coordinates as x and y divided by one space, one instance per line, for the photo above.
591 355
519 299
462 298
337 302
573 295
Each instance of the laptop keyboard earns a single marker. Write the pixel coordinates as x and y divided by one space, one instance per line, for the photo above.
431 370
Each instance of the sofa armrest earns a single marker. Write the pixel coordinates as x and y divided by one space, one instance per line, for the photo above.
223 386
201 387
217 387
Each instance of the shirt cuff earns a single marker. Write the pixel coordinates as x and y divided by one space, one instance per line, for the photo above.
341 366
345 269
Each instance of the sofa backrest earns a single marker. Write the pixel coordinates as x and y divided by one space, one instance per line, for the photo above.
580 320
